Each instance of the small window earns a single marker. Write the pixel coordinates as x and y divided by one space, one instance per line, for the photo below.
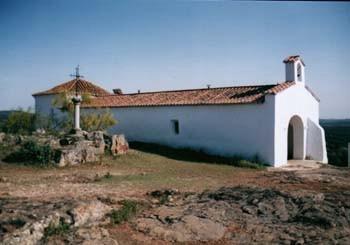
299 72
176 126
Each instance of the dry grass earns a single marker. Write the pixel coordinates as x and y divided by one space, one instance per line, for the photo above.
136 171
149 170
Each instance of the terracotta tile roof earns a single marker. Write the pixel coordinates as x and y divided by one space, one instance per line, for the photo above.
293 58
211 96
83 86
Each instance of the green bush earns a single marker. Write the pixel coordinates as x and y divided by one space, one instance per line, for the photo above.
34 153
17 223
19 122
126 212
60 229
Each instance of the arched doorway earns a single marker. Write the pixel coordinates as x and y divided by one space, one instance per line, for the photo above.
295 138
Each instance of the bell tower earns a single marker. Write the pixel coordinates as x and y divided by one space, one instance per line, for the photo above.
295 67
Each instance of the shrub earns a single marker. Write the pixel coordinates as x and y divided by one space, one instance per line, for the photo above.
63 101
20 122
60 229
126 212
34 153
107 175
100 120
17 223
5 150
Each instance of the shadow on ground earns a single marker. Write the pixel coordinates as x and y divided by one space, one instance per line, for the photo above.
186 154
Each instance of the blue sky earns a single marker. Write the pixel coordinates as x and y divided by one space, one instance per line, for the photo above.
162 45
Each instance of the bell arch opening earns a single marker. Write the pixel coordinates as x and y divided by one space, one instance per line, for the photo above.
295 138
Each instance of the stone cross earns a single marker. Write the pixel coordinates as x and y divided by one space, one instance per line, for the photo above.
76 100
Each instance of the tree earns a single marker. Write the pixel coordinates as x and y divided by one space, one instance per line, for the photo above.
20 122
90 121
63 101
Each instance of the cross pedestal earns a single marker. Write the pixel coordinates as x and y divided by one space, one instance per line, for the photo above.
76 101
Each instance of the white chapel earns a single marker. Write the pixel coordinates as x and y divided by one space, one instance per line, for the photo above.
275 122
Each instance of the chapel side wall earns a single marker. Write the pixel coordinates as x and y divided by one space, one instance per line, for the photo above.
217 129
295 100
43 105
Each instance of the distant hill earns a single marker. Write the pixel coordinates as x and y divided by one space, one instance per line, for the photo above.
335 122
337 138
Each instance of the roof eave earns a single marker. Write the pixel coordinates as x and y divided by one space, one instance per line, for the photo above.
312 93
289 61
260 100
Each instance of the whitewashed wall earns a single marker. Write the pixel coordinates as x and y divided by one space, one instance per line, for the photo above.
43 105
291 71
296 100
247 129
316 142
218 129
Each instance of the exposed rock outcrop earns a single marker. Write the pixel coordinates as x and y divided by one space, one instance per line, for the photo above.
11 140
81 148
29 225
97 138
95 235
2 137
84 147
119 145
245 215
184 229
89 213
77 148
32 233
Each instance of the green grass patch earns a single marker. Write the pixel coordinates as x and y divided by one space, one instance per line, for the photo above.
149 170
126 212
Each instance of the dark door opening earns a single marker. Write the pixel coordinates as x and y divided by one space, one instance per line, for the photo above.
290 141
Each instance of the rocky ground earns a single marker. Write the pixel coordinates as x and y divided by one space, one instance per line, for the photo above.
205 205
242 215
